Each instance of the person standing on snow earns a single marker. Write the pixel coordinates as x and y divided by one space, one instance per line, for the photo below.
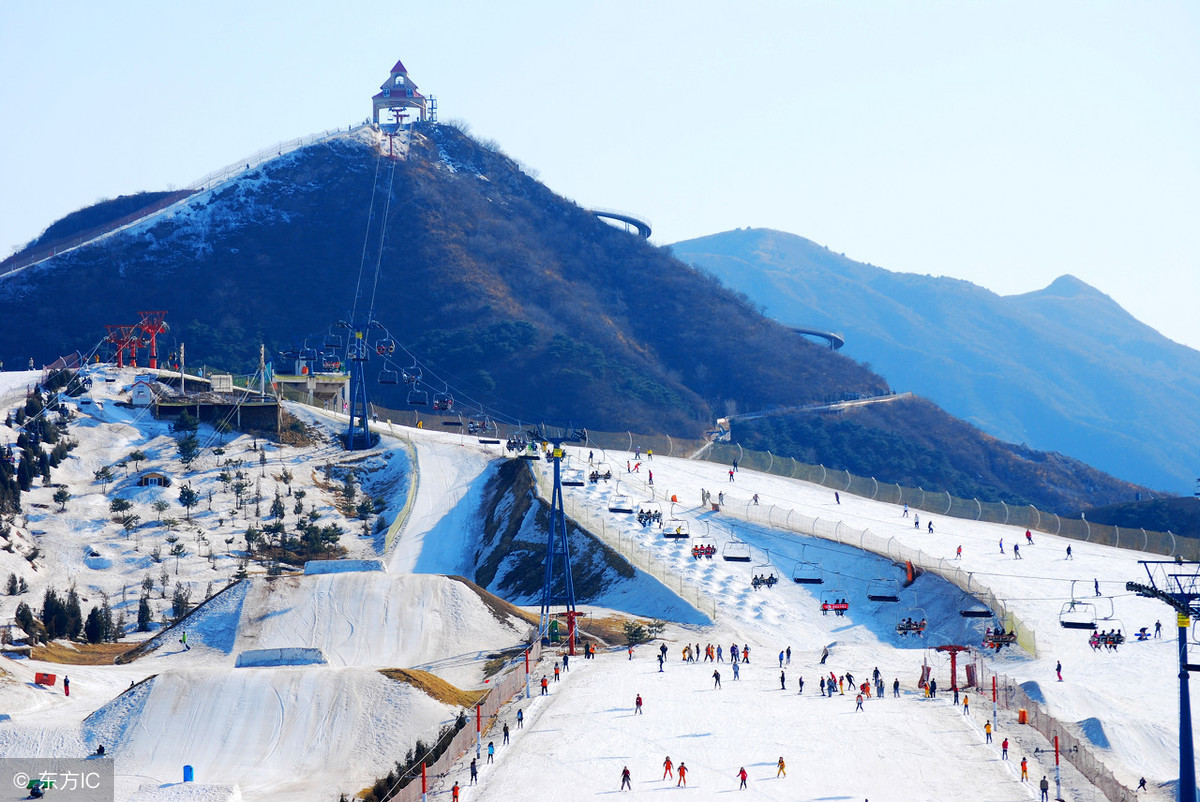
781 659
966 705
637 705
682 775
858 704
801 684
520 719
735 672
1004 749
491 752
1069 552
626 782
1044 785
1058 670
545 685
782 772
660 664
1024 770
746 653
667 764
474 772
1016 551
789 655
716 680
987 732
506 733
782 681
742 776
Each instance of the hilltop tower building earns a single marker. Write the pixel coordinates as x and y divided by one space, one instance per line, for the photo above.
397 95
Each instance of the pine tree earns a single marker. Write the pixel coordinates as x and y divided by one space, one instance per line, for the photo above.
11 586
74 614
145 614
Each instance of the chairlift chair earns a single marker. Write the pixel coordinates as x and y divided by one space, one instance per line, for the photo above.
443 401
677 529
649 513
1077 613
736 551
913 623
418 398
332 340
834 601
389 377
807 573
385 347
883 590
620 503
703 547
572 477
975 612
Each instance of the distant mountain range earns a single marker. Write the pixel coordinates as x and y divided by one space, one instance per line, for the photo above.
518 302
1062 369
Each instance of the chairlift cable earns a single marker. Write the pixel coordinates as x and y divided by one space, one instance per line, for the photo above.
366 235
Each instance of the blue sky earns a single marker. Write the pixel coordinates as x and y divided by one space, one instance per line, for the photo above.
1005 144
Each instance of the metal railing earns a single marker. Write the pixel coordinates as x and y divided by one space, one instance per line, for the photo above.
467 739
942 503
1011 696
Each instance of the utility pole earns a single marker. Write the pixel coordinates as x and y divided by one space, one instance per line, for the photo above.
1177 583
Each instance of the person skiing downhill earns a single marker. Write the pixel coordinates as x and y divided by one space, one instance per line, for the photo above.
782 768
626 782
742 776
667 764
682 775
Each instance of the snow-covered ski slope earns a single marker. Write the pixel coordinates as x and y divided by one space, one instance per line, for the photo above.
311 732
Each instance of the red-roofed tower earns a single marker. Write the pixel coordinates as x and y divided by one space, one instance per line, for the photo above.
397 94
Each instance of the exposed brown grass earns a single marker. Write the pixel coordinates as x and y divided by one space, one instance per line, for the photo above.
610 629
79 654
434 686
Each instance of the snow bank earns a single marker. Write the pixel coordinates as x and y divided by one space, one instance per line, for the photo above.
291 656
313 567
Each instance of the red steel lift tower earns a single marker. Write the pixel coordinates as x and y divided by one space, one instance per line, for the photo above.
153 325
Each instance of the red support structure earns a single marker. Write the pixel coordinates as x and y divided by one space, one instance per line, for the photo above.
151 326
954 650
124 338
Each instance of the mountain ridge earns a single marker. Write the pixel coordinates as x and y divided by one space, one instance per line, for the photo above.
523 302
1063 368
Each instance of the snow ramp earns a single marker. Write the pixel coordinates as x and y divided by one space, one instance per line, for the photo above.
373 618
274 733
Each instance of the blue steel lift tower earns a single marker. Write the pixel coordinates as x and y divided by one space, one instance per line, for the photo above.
1177 583
560 593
